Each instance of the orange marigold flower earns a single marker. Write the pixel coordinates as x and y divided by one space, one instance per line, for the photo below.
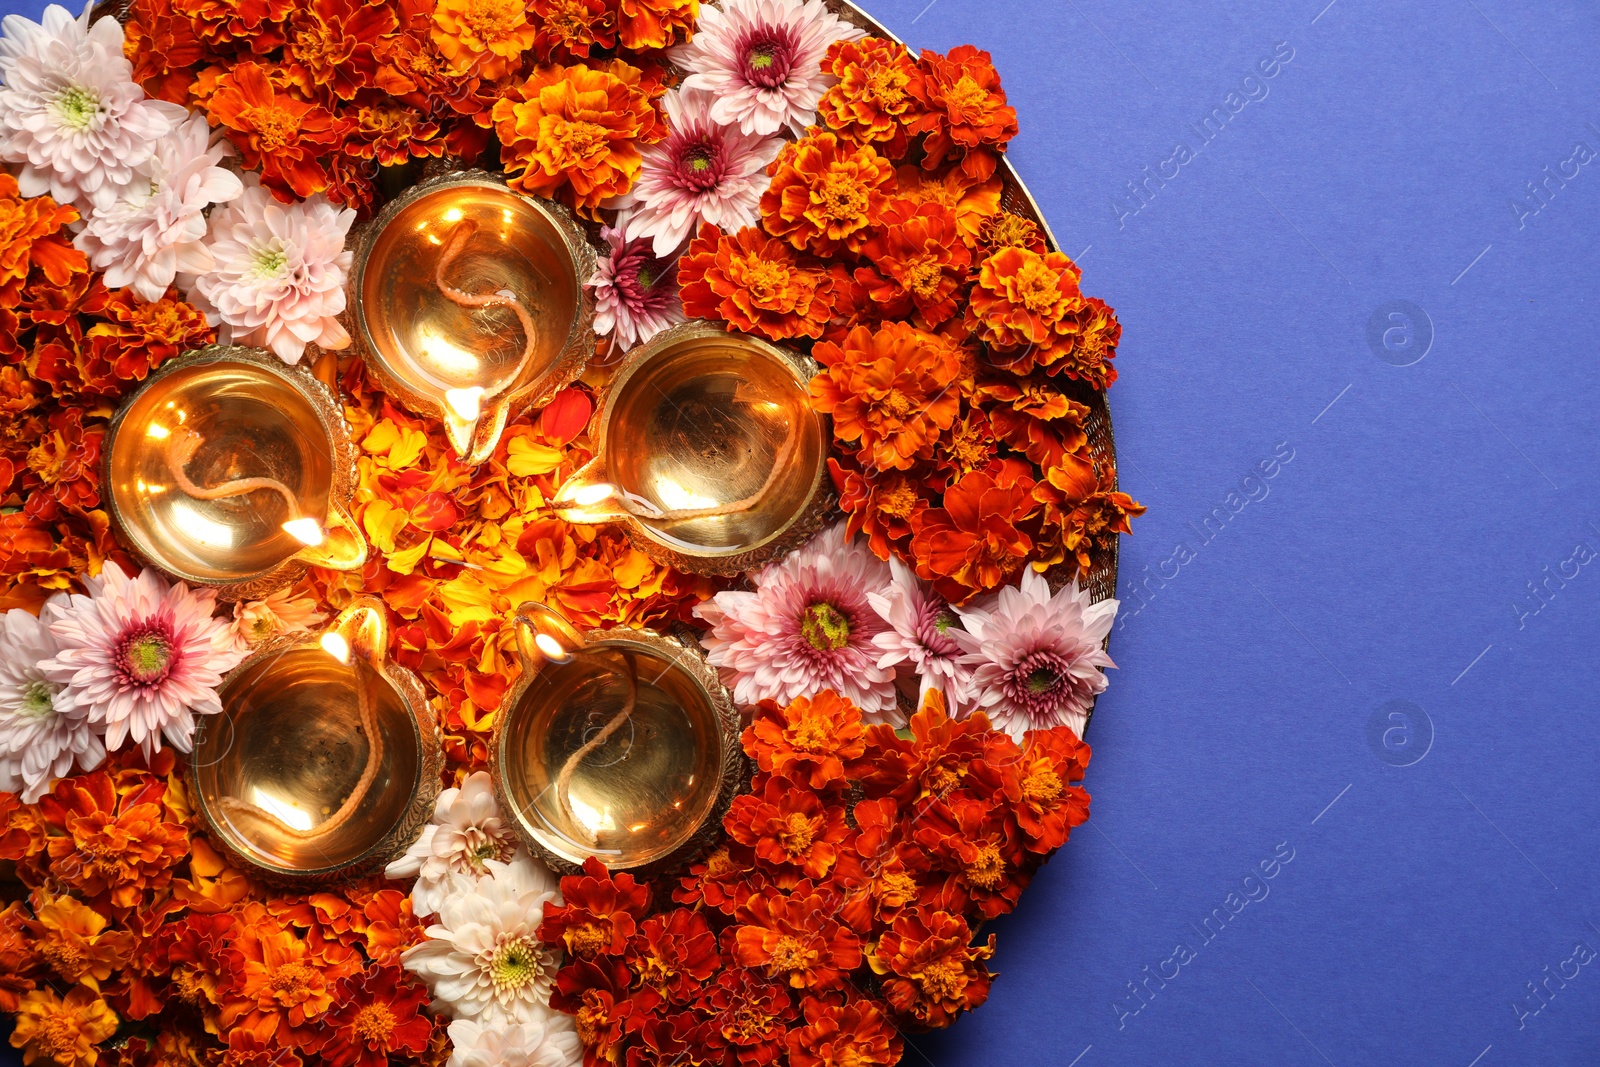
826 194
378 1016
920 260
975 540
283 136
18 958
749 1018
967 114
30 236
1039 789
67 459
724 880
111 843
876 96
245 1049
73 941
652 24
756 284
932 764
164 47
979 850
882 504
482 37
857 1033
1035 417
812 741
63 1030
596 994
796 939
600 913
788 826
890 392
1004 230
1083 512
197 954
578 130
1025 298
284 982
393 133
972 201
931 972
330 46
570 29
256 23
137 337
1088 356
674 954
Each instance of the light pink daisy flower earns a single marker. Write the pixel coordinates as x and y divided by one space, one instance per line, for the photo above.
1036 659
635 292
465 834
41 735
277 279
141 658
921 636
761 61
255 621
808 626
703 172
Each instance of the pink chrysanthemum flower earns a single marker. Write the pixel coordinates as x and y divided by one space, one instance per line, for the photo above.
278 273
142 657
455 848
635 292
702 172
761 61
1036 659
70 113
921 636
41 735
255 621
808 626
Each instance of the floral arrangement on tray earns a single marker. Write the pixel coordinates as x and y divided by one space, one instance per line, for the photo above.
914 680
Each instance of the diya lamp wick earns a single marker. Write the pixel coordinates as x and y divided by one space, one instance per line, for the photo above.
466 404
184 442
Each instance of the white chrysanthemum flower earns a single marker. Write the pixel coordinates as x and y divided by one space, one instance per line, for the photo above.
483 958
278 273
466 833
71 116
919 636
140 658
41 735
807 626
551 1042
761 61
1036 659
703 172
157 227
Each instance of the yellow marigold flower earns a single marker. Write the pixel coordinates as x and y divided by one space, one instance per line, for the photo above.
63 1030
577 126
484 37
75 944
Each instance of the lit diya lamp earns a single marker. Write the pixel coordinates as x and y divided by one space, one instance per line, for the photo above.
708 452
324 763
229 469
470 306
618 744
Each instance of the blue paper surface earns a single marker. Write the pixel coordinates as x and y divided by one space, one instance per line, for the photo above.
1371 672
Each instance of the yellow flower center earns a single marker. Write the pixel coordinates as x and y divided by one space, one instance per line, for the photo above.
987 868
765 279
1042 786
811 735
77 107
587 940
942 980
898 501
291 984
374 1023
923 276
57 1037
790 955
798 834
747 1025
65 958
888 85
966 95
517 964
842 197
897 404
1038 287
825 627
897 889
274 127
582 139
492 21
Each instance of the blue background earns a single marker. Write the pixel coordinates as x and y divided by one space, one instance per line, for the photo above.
1444 858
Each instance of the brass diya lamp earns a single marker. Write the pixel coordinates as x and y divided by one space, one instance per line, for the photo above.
324 763
708 452
618 744
469 303
229 469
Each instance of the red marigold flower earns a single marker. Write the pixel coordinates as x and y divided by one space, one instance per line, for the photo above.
577 130
756 284
103 843
826 194
17 955
857 1033
883 504
566 30
30 236
600 913
787 825
875 99
196 953
596 994
811 741
749 1018
67 459
1035 417
1025 298
1038 788
967 114
257 23
393 134
164 48
674 954
921 263
892 391
330 46
378 1015
933 763
973 843
245 1049
1094 345
971 200
975 541
285 983
724 880
796 938
931 971
1005 230
286 138
654 24
136 338
1083 512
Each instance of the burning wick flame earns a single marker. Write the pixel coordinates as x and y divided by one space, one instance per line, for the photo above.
465 404
550 648
307 531
334 644
585 496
